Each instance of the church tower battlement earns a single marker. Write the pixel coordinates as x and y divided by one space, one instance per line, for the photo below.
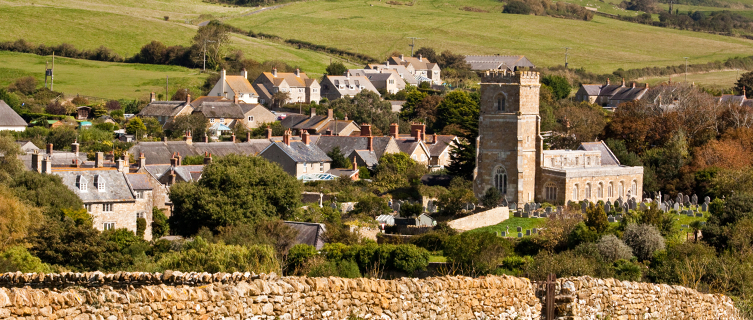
509 142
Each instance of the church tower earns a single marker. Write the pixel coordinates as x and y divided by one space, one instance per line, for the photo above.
509 142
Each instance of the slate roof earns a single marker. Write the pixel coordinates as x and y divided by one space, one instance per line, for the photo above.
343 84
732 99
508 62
610 90
378 76
629 94
748 103
342 172
239 84
10 118
163 108
436 148
348 144
308 233
116 187
161 152
400 70
607 157
59 158
407 146
592 89
26 146
220 109
368 157
246 107
300 152
182 173
303 122
139 181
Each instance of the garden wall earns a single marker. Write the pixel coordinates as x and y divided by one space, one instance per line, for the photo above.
482 219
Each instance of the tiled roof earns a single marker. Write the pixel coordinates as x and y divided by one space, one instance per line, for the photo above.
239 84
607 157
304 122
629 94
436 148
337 127
163 108
161 152
220 109
8 117
290 78
347 144
369 157
423 64
139 181
592 89
301 152
115 185
732 99
308 233
343 84
200 100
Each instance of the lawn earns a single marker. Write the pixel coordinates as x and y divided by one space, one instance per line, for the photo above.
513 223
99 79
716 80
377 28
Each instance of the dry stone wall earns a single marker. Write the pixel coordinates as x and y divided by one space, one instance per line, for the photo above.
248 296
586 298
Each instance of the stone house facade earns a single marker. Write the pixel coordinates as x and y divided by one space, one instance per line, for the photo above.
298 158
166 111
419 67
298 85
383 80
511 156
231 86
336 87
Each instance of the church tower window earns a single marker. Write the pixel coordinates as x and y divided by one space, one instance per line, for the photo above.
500 180
499 102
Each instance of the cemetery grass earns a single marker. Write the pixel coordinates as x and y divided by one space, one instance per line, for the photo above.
377 28
525 223
108 23
99 79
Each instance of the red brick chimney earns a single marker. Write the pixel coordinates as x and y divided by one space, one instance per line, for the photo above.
365 130
206 138
286 137
416 129
188 98
371 143
355 164
418 135
394 130
187 136
207 158
305 137
269 132
174 161
152 97
49 148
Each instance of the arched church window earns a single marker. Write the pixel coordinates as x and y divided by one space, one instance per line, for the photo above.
600 191
500 180
588 191
610 192
575 192
621 190
499 102
550 191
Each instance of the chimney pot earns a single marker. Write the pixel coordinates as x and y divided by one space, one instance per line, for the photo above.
49 148
206 138
371 143
305 137
313 112
152 97
269 132
207 158
274 72
365 130
286 137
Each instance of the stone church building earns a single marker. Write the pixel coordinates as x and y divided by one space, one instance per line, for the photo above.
511 157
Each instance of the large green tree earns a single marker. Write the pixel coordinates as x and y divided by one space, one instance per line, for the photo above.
232 190
459 110
367 107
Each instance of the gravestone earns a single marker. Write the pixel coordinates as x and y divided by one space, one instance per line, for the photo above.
527 208
676 207
705 207
503 234
679 198
583 206
625 207
526 215
535 231
703 223
632 204
658 197
513 205
686 201
643 206
607 207
520 234
528 232
544 215
707 199
520 229
699 215
518 214
619 201
690 213
548 210
618 217
663 207
610 219
694 200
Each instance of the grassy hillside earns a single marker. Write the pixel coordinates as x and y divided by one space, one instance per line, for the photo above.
377 28
716 80
99 79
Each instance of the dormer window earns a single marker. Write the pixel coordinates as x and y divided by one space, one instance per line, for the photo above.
99 182
81 183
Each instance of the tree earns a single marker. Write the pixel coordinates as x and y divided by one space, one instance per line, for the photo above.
160 227
234 189
336 68
372 206
582 121
517 7
24 85
396 170
16 218
79 101
596 218
215 38
458 194
462 160
476 253
279 98
367 107
338 159
723 215
644 239
56 107
113 105
491 198
408 210
181 95
196 123
559 85
428 53
412 99
62 137
136 126
745 84
613 249
460 109
153 127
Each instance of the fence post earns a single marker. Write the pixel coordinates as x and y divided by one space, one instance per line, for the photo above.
551 283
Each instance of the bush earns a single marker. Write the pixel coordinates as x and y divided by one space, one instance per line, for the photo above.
299 255
517 7
476 253
627 270
17 258
644 240
613 249
408 210
491 198
342 269
200 256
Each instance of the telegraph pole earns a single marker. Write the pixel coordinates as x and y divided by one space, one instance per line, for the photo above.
686 69
46 72
566 48
413 44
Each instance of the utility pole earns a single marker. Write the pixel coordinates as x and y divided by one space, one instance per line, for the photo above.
205 54
686 69
566 48
46 72
413 44
52 72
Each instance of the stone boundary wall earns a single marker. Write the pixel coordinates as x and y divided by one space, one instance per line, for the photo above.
588 298
482 219
80 296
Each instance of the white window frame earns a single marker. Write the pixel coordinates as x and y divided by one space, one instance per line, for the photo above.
139 194
107 207
305 168
108 226
250 118
321 166
88 208
211 120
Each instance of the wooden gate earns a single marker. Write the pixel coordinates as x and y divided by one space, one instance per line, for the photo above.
549 306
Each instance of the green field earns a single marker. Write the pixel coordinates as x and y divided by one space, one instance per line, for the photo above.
715 80
377 28
525 223
99 79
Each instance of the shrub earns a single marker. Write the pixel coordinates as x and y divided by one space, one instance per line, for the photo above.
627 270
160 227
491 198
644 240
517 7
17 258
612 248
298 256
200 256
476 253
140 227
411 210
